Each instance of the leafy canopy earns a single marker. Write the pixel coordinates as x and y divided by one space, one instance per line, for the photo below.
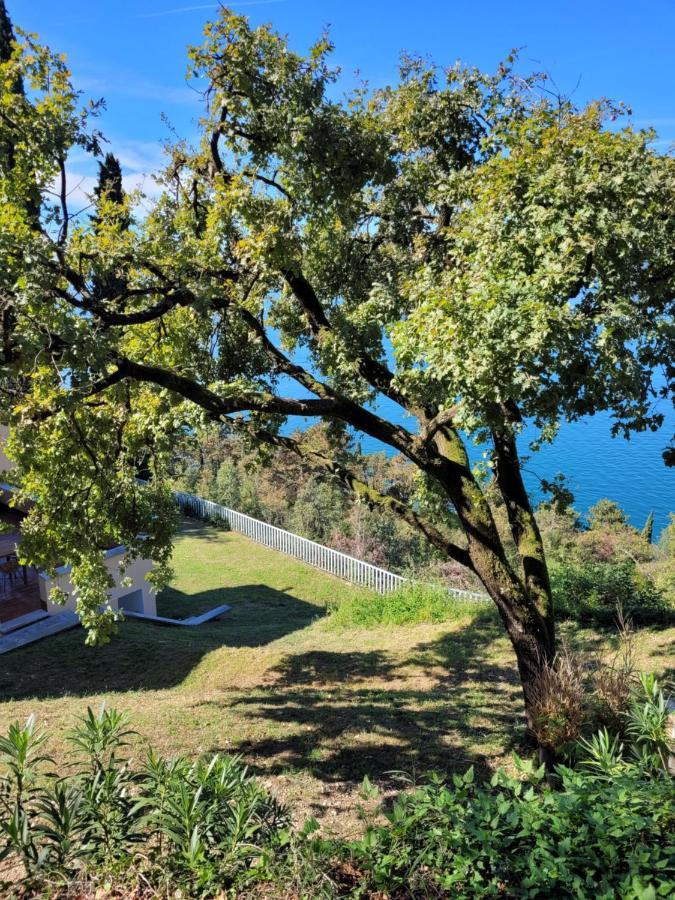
502 247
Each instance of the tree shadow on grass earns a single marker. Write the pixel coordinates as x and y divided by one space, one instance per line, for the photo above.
198 528
338 716
146 656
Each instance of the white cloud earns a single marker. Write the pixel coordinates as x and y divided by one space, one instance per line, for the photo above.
139 156
81 189
134 155
141 161
184 9
171 12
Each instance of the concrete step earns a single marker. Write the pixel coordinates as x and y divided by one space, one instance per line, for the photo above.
190 622
10 625
38 630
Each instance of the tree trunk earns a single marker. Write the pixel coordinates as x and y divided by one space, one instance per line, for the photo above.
532 638
524 603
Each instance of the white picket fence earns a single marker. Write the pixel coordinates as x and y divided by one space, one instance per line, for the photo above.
339 564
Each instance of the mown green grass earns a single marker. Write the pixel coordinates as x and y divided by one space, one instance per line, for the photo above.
312 705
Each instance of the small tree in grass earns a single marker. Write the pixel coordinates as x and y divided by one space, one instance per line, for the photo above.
466 245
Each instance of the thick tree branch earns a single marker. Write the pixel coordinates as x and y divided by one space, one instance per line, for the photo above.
63 199
373 371
220 406
370 496
431 428
345 408
171 300
214 141
172 297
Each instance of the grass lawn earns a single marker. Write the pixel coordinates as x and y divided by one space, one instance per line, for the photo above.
312 708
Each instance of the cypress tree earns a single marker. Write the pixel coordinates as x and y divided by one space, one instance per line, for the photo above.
648 530
6 33
15 87
109 186
110 180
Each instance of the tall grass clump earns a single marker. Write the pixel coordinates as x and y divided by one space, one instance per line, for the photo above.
410 604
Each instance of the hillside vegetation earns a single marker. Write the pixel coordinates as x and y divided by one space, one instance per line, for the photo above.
313 705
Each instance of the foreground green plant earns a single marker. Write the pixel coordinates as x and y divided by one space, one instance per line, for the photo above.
646 745
206 828
519 838
199 824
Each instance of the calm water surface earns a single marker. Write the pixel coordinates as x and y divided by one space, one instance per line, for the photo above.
596 465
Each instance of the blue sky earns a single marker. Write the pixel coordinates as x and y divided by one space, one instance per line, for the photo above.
133 53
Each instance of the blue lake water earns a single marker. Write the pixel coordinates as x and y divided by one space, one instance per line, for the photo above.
596 465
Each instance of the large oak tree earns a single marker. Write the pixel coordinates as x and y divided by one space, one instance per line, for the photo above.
471 246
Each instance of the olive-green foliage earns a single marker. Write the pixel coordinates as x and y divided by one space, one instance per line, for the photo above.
198 825
234 488
592 592
453 202
607 515
207 827
597 567
604 831
318 511
592 837
408 605
643 741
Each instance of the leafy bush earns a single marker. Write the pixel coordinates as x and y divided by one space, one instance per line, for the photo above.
572 700
171 827
219 521
200 825
318 510
408 605
590 593
646 745
515 838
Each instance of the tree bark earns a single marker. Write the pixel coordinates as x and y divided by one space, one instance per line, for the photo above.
524 604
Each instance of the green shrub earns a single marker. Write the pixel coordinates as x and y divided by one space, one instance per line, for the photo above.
220 522
642 744
172 827
591 593
200 826
408 605
591 838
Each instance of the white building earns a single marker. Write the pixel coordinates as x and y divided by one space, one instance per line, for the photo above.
24 591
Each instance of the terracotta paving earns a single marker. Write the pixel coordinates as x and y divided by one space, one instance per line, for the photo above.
19 594
18 598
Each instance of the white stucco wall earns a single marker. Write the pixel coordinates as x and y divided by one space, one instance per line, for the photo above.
136 572
5 463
